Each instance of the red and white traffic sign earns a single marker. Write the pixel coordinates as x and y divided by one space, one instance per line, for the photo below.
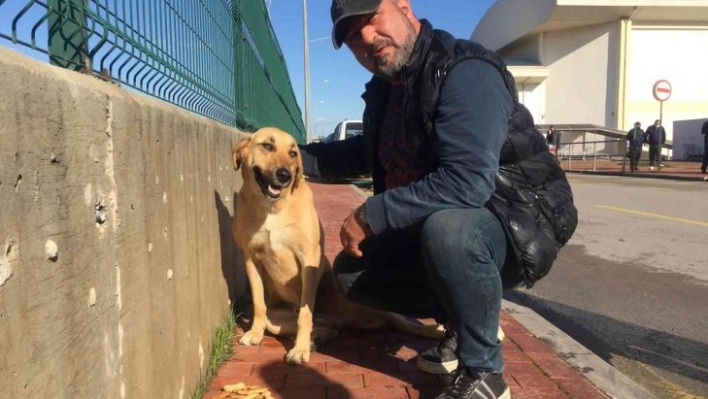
662 90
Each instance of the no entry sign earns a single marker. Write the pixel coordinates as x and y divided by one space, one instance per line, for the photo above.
662 90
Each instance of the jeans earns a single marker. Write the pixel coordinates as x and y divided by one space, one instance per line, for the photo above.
654 154
704 165
635 155
447 268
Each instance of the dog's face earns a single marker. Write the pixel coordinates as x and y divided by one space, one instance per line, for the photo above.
270 162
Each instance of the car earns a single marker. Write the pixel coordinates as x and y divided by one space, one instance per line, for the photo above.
345 130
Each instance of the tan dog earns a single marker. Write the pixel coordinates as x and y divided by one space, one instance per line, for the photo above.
277 228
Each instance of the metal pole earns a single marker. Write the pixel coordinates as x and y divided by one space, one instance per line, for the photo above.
307 72
594 156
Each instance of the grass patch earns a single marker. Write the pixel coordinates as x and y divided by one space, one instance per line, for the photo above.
219 351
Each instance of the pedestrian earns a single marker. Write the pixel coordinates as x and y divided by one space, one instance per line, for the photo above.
441 116
635 141
553 139
704 131
656 137
549 134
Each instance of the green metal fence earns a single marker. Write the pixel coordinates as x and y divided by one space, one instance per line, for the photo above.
218 58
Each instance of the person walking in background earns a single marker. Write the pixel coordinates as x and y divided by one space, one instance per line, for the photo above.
704 131
656 137
553 139
635 139
549 135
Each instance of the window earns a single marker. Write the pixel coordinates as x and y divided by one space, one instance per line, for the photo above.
354 129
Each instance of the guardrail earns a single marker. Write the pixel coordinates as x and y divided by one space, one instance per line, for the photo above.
613 149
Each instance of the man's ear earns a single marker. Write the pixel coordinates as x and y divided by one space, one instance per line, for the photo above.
240 151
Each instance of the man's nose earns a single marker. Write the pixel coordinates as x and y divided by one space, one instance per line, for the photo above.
368 34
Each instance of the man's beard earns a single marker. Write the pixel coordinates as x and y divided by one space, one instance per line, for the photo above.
392 70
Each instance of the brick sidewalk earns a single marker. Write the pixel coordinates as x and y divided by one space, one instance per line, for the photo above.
382 364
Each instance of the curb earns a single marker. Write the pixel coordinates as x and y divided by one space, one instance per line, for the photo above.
605 376
640 176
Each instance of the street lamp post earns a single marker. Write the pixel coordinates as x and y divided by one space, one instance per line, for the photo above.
306 45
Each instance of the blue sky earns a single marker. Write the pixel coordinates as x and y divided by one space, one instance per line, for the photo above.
336 79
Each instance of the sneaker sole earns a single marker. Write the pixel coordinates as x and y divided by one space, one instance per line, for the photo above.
505 395
437 368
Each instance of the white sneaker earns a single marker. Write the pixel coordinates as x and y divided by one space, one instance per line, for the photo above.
651 168
661 165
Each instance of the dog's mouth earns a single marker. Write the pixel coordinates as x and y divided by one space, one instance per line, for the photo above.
271 188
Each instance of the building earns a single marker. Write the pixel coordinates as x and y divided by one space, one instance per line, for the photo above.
595 62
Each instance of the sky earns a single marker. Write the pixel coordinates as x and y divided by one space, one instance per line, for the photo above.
336 79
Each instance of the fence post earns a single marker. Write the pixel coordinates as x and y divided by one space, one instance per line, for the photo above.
68 42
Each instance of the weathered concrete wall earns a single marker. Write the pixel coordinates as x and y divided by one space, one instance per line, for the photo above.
124 308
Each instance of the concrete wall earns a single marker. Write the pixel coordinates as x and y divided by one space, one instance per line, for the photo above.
124 308
677 54
583 78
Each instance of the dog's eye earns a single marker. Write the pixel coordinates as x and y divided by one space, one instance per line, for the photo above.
293 153
268 146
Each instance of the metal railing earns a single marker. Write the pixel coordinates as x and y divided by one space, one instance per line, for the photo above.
217 58
582 151
590 155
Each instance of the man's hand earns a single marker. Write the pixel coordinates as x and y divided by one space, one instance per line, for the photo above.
353 232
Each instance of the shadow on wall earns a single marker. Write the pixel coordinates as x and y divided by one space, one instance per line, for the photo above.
231 257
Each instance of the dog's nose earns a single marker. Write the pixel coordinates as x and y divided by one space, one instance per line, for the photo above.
283 175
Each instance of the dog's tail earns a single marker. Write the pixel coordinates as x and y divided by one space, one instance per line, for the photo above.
415 326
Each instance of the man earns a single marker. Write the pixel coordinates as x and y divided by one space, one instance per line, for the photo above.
635 139
704 131
427 243
656 137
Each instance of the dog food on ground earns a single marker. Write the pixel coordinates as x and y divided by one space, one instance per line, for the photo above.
243 391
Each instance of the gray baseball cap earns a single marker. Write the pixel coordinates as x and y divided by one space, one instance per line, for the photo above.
343 9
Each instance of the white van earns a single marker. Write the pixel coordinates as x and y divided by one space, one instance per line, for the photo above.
345 130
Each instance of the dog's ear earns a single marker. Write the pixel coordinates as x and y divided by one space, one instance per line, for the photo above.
298 171
240 151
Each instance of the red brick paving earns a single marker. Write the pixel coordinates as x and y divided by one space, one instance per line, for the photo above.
382 364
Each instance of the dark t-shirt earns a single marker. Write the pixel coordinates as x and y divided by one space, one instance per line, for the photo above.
403 150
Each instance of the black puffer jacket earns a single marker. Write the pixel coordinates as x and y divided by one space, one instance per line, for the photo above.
532 199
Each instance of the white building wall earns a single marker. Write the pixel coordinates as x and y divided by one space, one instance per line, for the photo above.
527 50
679 55
533 96
582 75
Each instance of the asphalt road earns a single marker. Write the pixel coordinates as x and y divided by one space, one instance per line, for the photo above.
632 284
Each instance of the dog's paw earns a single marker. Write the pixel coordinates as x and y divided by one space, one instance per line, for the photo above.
251 338
298 355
